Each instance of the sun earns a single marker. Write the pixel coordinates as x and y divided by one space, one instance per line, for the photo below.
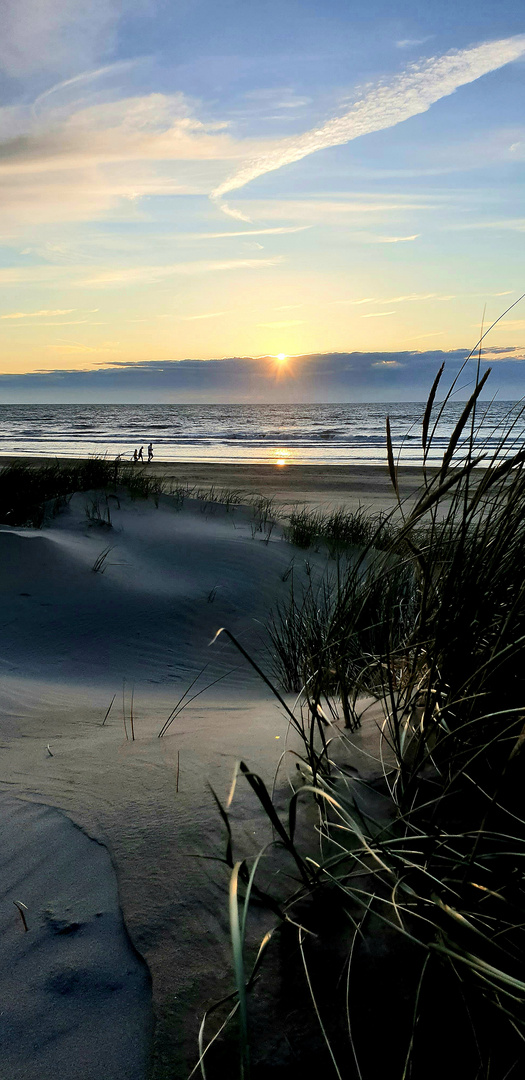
281 356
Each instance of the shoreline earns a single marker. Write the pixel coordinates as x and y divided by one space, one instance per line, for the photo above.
324 486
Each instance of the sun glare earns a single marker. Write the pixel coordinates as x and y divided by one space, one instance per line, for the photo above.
282 457
281 356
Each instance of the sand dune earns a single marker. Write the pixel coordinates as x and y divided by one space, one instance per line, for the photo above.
169 580
67 983
71 636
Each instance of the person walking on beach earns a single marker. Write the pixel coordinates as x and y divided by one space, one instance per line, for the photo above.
135 455
140 454
150 452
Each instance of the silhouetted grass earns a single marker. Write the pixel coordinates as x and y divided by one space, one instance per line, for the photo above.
338 530
432 624
29 492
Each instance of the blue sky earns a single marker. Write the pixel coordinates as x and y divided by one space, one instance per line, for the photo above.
197 181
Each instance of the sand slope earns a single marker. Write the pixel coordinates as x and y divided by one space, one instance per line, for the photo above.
69 982
169 581
70 637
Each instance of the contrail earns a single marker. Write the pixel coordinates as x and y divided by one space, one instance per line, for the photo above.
388 104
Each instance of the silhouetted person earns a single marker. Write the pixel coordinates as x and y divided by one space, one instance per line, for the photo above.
135 455
140 454
150 452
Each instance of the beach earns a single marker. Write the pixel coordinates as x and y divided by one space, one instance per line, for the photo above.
121 617
325 486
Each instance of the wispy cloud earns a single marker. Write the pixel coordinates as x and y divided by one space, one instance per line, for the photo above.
409 94
329 208
240 233
393 299
101 277
133 275
407 43
36 314
81 347
377 314
118 68
512 224
66 322
392 239
278 98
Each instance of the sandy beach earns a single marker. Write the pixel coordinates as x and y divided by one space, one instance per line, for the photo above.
133 634
325 486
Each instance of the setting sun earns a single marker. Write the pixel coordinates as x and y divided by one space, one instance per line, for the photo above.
281 356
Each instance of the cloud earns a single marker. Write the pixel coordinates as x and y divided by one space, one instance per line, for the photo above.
237 215
67 322
133 275
395 299
407 43
409 94
101 277
357 376
277 98
72 164
377 314
334 211
514 224
117 68
35 314
149 127
240 233
409 297
392 239
55 35
503 353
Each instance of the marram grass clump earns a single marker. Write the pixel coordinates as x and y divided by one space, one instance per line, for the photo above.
28 493
400 899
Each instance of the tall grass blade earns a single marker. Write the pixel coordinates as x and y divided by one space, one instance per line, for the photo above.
238 965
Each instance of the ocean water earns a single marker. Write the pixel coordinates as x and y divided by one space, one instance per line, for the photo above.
287 434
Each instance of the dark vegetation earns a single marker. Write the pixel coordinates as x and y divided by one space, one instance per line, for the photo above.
338 530
29 492
400 898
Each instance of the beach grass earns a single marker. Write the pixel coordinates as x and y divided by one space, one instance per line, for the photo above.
29 493
429 619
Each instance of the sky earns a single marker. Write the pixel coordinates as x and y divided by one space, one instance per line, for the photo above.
191 190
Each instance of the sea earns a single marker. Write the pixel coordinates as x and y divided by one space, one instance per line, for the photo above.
332 434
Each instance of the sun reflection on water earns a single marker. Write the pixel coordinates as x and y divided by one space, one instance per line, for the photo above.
281 457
